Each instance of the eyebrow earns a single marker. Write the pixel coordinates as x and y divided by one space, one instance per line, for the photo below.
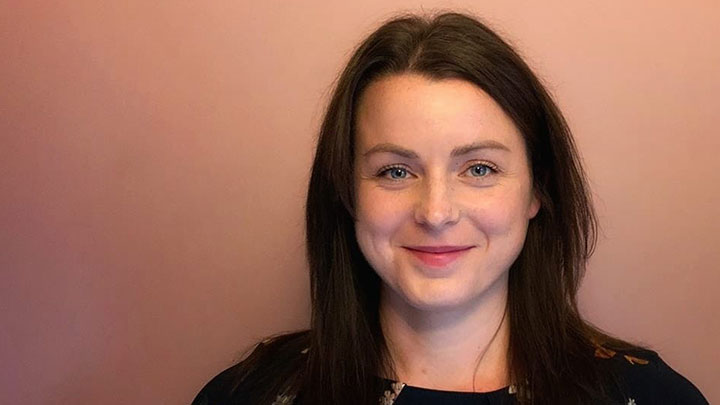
456 152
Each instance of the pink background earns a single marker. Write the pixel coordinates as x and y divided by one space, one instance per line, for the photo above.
154 157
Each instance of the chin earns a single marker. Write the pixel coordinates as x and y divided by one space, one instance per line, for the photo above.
440 296
460 290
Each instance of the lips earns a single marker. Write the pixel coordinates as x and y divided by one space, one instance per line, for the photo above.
437 256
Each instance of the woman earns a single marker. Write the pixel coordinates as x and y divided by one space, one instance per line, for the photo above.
448 226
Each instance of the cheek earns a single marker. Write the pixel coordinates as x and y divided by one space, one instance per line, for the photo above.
379 219
502 215
379 212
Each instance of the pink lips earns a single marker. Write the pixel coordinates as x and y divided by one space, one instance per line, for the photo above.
437 256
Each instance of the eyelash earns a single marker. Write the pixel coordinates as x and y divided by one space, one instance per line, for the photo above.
382 173
492 167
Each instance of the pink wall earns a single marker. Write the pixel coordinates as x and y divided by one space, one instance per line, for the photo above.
154 156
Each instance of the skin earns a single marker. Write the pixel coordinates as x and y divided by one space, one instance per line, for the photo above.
439 163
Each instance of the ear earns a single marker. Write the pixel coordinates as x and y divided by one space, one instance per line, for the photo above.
534 205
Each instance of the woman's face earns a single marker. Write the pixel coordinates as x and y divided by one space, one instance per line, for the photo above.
443 187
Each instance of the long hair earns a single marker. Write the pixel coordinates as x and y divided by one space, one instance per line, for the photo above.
551 356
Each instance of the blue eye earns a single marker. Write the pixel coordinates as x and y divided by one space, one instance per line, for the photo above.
480 170
394 173
397 173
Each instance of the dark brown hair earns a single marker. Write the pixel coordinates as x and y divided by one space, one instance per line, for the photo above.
551 347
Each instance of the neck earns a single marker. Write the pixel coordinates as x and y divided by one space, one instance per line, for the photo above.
458 349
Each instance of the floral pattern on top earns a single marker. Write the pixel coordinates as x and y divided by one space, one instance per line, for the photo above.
390 395
605 353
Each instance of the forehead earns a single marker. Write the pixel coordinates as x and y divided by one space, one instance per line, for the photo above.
413 110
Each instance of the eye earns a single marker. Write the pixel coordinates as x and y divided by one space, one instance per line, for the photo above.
481 170
393 173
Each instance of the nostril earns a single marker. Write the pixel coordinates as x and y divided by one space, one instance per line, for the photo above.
435 206
437 214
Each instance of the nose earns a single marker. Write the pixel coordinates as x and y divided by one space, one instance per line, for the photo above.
436 207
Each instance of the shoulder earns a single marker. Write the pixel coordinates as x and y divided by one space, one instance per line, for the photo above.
642 377
269 371
220 389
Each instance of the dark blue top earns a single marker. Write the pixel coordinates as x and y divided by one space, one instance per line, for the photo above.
643 379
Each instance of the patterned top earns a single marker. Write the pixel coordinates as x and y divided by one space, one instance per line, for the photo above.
645 379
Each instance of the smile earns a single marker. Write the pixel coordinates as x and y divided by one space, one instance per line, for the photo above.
437 256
